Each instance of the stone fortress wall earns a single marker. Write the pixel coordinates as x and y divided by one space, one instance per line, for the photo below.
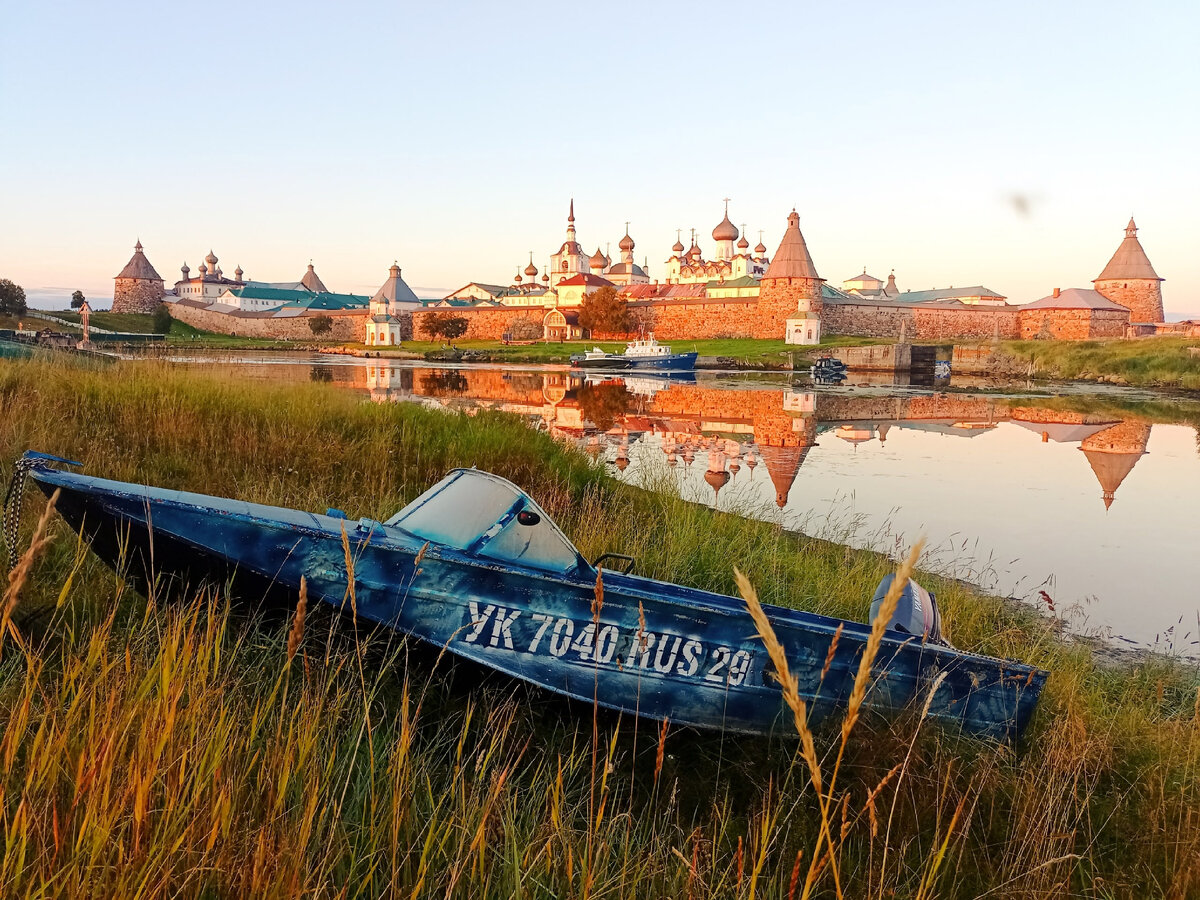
350 326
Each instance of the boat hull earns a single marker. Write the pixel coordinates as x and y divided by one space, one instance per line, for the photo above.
675 362
653 649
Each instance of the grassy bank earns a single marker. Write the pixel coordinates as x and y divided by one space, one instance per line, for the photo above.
749 352
180 749
1146 362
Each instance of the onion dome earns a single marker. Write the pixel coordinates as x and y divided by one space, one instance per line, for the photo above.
186 270
203 270
677 247
238 273
742 243
725 230
211 259
760 248
531 270
517 280
598 260
716 479
545 278
626 242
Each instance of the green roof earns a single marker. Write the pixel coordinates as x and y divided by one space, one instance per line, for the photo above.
282 295
743 281
328 300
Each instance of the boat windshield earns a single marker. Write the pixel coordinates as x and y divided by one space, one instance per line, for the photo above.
488 516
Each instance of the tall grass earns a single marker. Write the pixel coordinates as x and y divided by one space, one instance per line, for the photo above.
182 749
1157 361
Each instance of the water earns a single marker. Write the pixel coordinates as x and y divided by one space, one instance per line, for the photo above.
1088 501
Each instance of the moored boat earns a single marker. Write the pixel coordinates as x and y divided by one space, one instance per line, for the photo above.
475 566
644 353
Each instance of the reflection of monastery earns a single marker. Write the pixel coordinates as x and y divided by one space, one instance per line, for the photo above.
730 430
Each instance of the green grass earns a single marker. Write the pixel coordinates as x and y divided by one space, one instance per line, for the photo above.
746 351
181 333
176 749
1148 362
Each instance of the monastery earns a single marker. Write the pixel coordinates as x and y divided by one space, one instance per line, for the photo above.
737 292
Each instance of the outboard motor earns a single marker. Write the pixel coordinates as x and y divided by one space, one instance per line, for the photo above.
916 611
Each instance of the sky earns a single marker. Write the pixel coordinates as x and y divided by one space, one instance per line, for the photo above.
957 143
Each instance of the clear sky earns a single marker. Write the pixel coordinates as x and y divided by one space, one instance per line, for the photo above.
956 142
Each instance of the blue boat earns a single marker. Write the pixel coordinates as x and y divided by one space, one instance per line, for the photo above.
475 566
639 355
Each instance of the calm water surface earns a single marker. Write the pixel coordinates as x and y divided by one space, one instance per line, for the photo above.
1091 499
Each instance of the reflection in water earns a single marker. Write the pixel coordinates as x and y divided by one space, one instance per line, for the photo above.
1089 498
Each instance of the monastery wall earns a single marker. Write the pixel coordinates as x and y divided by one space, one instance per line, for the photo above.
347 326
486 324
923 323
1072 324
676 320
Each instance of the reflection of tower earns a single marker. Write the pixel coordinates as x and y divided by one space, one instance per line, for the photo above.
783 463
1113 452
854 435
752 459
716 475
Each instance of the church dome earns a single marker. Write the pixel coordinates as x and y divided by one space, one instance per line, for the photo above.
597 260
743 243
531 270
211 259
725 230
677 247
626 242
760 248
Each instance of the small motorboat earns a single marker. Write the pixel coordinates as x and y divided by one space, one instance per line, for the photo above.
640 354
828 368
475 566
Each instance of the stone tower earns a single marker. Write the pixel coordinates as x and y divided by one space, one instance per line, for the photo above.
1131 281
789 297
139 289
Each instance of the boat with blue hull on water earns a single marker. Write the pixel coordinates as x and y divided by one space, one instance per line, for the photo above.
641 354
475 566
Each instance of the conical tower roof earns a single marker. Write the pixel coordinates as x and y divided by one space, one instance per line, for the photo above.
138 266
1130 260
792 259
1110 470
1113 452
394 290
782 465
312 281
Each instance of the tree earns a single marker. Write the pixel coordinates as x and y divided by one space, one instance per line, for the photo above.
605 310
603 404
12 299
77 299
161 323
445 325
320 324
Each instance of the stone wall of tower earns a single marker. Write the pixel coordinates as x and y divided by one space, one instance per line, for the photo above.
137 295
779 298
1142 296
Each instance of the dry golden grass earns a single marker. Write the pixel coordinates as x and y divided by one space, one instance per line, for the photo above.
184 750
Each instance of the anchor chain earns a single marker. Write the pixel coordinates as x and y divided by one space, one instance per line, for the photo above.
13 502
